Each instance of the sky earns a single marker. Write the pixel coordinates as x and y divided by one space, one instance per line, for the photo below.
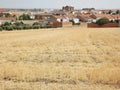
78 4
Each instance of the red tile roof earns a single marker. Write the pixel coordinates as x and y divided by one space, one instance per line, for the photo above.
59 17
85 16
2 10
109 16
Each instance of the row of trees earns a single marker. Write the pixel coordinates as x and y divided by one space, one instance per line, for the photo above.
21 17
19 26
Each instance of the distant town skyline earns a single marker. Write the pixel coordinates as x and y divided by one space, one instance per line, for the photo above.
78 4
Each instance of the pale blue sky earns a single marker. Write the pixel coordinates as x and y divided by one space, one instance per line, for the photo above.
78 4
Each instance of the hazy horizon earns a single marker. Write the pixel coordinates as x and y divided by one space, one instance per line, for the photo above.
78 4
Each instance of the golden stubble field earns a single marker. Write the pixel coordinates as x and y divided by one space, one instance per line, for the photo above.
74 58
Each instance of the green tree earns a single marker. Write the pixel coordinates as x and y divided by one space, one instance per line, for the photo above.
7 24
102 21
19 23
7 15
109 12
9 28
1 28
118 12
24 17
36 26
20 27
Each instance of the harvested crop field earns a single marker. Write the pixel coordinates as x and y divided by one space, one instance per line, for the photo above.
74 58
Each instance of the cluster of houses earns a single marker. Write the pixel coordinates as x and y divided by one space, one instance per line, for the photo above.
94 17
67 16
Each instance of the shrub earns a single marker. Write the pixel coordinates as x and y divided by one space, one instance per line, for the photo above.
20 27
19 23
1 28
14 27
9 28
43 27
36 23
30 27
102 21
35 26
6 24
27 27
24 17
7 15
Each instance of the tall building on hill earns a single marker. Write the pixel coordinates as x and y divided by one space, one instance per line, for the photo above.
68 8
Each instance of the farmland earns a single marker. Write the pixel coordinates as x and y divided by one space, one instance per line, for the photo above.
76 58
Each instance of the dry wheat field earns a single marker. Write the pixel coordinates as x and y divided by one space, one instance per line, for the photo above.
73 58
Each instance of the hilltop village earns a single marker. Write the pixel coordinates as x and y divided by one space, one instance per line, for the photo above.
48 18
